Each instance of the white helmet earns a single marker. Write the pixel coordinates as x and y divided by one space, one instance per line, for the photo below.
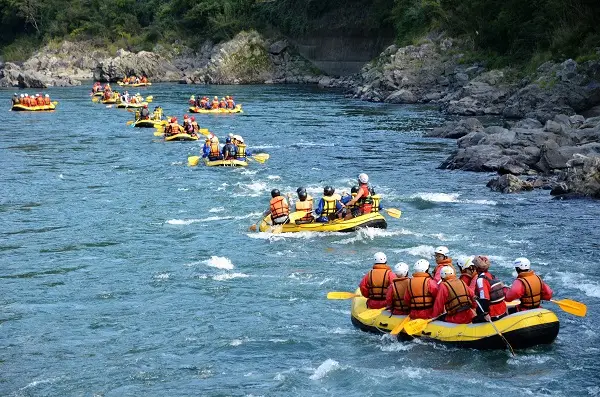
442 250
421 265
27 95
380 257
237 137
446 271
363 178
47 96
522 264
401 269
22 96
465 262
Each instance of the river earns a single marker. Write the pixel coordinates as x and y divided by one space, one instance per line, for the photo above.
127 273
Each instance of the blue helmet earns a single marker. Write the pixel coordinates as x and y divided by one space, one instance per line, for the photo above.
228 140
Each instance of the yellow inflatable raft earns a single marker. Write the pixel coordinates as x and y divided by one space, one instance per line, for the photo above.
149 123
374 219
225 163
110 101
182 136
131 105
237 109
23 108
522 330
133 85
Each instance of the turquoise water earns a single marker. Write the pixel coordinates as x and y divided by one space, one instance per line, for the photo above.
127 273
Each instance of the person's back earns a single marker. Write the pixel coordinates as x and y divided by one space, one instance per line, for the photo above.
489 292
454 298
394 298
278 208
304 204
421 291
215 103
375 283
529 288
47 100
215 152
229 150
40 100
329 207
145 113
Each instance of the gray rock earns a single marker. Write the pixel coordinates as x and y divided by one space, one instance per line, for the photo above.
552 126
456 129
528 124
582 179
278 47
508 183
401 96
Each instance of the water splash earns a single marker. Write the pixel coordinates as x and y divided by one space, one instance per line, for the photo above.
328 366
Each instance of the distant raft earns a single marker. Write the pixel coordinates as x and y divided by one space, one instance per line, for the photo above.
182 136
23 108
150 123
522 330
225 163
133 85
124 105
196 109
374 219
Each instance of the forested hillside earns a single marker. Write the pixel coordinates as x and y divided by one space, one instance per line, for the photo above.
502 32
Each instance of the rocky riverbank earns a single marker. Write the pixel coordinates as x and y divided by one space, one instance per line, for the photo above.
248 58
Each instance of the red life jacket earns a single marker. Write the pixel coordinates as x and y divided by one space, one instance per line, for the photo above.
365 202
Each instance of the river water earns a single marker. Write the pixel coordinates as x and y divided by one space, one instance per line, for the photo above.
127 273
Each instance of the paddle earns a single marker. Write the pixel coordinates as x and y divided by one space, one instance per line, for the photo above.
400 326
571 306
96 99
158 133
193 161
370 314
261 157
393 212
497 331
253 227
131 122
341 295
418 325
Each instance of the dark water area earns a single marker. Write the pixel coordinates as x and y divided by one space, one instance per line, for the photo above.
127 273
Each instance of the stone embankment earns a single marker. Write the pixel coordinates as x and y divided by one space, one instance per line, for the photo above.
248 58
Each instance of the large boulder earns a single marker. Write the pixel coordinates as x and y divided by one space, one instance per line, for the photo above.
509 183
456 129
142 63
582 177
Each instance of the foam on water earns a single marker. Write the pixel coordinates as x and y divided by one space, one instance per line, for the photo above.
162 276
274 177
449 198
396 347
229 276
190 221
326 367
217 209
578 281
423 251
220 262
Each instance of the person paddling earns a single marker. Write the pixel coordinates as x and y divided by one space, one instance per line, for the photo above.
529 288
489 292
421 291
454 298
375 283
394 298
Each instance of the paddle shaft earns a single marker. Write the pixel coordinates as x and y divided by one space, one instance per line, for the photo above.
498 332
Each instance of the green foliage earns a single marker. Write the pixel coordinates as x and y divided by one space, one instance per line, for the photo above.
21 49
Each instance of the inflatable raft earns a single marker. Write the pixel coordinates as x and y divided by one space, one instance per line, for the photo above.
110 101
225 163
133 85
182 136
374 219
131 105
522 329
149 123
237 109
23 108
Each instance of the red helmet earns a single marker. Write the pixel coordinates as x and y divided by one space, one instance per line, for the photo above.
185 116
145 106
193 118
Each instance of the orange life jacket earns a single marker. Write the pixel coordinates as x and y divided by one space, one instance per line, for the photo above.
399 286
418 288
46 101
279 207
365 202
132 100
174 128
230 103
214 104
532 297
214 149
222 104
306 206
40 101
378 281
144 79
458 299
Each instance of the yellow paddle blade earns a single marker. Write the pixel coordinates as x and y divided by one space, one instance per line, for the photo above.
571 306
158 133
341 295
259 159
416 326
265 156
96 99
149 98
370 314
130 122
393 212
204 131
193 161
55 103
398 328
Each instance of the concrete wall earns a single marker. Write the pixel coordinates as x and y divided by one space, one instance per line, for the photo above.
340 56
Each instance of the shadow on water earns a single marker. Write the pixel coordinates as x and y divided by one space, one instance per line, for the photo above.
63 270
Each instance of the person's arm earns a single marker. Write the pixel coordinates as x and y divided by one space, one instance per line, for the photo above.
546 292
483 296
439 306
355 199
363 286
515 291
319 210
